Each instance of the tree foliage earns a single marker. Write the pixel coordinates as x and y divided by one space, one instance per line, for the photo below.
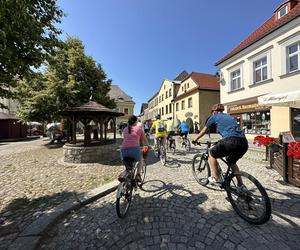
28 36
66 83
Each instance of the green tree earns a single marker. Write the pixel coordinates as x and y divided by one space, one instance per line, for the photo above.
28 36
66 83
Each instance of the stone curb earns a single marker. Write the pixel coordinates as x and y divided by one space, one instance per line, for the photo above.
31 237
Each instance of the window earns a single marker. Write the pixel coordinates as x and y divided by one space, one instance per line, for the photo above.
170 92
162 97
159 99
170 108
260 70
183 105
293 57
166 94
283 11
126 111
188 85
256 122
177 106
190 102
167 109
162 111
235 79
182 88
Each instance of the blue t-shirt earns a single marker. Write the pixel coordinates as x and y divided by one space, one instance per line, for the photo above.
226 125
184 127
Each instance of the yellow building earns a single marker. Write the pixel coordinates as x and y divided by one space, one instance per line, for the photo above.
196 94
124 103
258 76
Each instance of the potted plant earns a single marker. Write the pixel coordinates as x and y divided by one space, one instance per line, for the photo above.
294 150
270 143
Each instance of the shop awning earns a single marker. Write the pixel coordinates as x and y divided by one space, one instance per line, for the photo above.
287 99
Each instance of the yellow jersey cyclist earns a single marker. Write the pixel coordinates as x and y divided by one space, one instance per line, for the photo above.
160 130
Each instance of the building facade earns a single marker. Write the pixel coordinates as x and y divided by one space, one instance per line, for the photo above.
124 103
196 95
267 62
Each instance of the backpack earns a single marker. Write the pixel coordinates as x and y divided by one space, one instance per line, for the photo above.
160 126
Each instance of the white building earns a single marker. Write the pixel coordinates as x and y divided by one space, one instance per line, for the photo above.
265 63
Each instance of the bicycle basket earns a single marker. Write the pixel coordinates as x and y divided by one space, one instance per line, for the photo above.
145 151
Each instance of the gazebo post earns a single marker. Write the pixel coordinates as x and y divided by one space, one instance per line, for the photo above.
74 129
105 130
101 129
115 128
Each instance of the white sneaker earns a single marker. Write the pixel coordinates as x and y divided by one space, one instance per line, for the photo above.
214 182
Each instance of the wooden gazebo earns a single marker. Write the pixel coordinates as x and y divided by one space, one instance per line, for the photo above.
92 115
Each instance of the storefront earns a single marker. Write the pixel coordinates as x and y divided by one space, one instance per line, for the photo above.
253 118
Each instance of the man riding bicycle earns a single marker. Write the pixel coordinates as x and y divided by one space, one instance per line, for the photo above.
170 129
184 129
160 130
233 144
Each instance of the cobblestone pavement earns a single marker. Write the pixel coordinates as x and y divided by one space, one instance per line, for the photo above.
175 212
32 182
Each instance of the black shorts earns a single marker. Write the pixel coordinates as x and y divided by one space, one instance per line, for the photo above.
233 148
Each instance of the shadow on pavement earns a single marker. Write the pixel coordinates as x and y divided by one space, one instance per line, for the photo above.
21 212
166 215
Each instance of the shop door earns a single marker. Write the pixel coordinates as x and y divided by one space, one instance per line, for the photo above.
238 118
296 124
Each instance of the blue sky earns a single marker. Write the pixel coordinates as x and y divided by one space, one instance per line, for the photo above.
141 42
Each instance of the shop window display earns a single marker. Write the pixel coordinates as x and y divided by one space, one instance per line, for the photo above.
256 122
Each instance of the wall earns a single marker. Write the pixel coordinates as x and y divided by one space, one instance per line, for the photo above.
121 106
279 82
280 120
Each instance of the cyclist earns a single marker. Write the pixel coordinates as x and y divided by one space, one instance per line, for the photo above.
184 129
170 129
132 136
233 144
160 130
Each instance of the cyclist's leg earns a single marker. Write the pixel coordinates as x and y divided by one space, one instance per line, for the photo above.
213 166
236 171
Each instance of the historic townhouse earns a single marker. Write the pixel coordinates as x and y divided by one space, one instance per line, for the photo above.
258 76
196 94
124 103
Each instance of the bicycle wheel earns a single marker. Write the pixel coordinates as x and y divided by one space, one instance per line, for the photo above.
143 174
163 155
173 148
186 144
252 203
124 197
201 170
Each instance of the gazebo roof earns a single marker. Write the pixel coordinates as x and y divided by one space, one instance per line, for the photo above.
91 108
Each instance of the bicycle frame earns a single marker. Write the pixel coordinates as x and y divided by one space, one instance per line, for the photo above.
229 170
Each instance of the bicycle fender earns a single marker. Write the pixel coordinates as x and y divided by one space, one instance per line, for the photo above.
119 190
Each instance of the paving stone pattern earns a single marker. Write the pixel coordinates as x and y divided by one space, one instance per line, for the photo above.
32 182
175 212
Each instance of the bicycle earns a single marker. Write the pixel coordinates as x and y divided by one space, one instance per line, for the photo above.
185 142
128 183
160 151
171 144
242 198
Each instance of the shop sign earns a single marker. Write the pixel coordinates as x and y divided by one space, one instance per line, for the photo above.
246 107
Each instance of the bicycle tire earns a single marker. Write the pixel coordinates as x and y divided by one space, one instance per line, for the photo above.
163 155
199 167
248 197
125 194
173 148
143 174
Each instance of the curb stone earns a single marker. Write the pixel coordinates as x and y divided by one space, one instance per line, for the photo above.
31 236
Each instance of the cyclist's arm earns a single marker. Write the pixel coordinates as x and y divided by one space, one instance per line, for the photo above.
202 133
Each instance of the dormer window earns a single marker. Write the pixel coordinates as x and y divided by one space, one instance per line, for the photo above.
283 11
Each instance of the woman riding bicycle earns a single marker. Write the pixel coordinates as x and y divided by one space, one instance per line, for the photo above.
233 144
132 136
